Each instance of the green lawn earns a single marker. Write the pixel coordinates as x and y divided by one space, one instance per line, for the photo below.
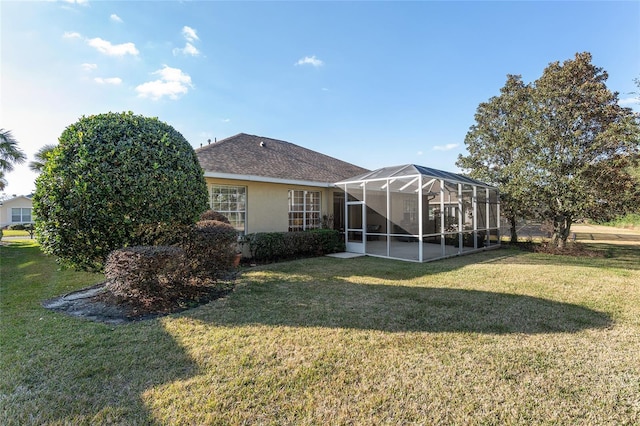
499 337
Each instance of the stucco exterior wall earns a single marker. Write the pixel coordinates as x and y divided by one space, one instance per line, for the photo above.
267 203
7 205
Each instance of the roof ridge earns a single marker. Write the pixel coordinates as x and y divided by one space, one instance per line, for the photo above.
216 142
244 153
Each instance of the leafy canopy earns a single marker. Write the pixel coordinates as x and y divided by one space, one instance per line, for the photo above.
111 175
10 154
497 145
40 157
560 148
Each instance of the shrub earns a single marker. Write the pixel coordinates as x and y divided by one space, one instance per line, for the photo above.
329 240
273 246
110 175
146 273
214 215
17 227
211 249
164 234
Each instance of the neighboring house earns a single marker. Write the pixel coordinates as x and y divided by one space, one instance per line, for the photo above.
266 185
16 210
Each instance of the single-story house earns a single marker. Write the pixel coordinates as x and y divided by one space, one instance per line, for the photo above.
406 212
269 185
16 210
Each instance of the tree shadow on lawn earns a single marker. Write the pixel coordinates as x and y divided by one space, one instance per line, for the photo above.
56 369
94 378
313 294
389 308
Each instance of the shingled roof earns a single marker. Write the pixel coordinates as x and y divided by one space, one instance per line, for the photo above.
250 156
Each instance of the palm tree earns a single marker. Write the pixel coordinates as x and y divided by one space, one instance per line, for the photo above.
10 154
40 157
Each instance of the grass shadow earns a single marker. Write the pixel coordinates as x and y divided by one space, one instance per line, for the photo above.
55 369
299 302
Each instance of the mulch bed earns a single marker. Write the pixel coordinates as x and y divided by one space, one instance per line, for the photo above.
571 249
97 303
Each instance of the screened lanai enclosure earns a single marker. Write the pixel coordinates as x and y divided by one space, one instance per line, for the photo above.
419 214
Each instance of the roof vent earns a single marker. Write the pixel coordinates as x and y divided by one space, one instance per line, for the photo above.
262 143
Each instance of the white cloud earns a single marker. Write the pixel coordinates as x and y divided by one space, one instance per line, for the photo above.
310 60
116 18
76 1
419 153
189 49
628 101
447 147
104 46
111 80
172 83
189 34
71 34
89 67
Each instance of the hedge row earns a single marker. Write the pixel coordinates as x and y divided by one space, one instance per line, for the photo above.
274 246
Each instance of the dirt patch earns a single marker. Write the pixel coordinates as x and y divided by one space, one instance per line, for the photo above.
97 303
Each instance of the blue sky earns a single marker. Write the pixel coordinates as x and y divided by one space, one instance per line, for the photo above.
373 83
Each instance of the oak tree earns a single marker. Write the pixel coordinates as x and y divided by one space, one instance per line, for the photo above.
574 147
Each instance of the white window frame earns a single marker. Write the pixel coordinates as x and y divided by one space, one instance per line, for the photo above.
234 208
22 215
311 218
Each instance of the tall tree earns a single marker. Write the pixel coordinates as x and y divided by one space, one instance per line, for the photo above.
40 157
573 151
497 146
585 143
10 154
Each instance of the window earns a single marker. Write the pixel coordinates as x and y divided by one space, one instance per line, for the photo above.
20 215
410 210
231 201
304 210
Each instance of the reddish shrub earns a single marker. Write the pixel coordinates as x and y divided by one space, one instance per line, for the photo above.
211 249
146 273
214 215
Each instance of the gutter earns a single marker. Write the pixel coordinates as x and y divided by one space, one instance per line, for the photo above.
266 179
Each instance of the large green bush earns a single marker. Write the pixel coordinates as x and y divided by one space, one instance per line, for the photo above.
111 175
